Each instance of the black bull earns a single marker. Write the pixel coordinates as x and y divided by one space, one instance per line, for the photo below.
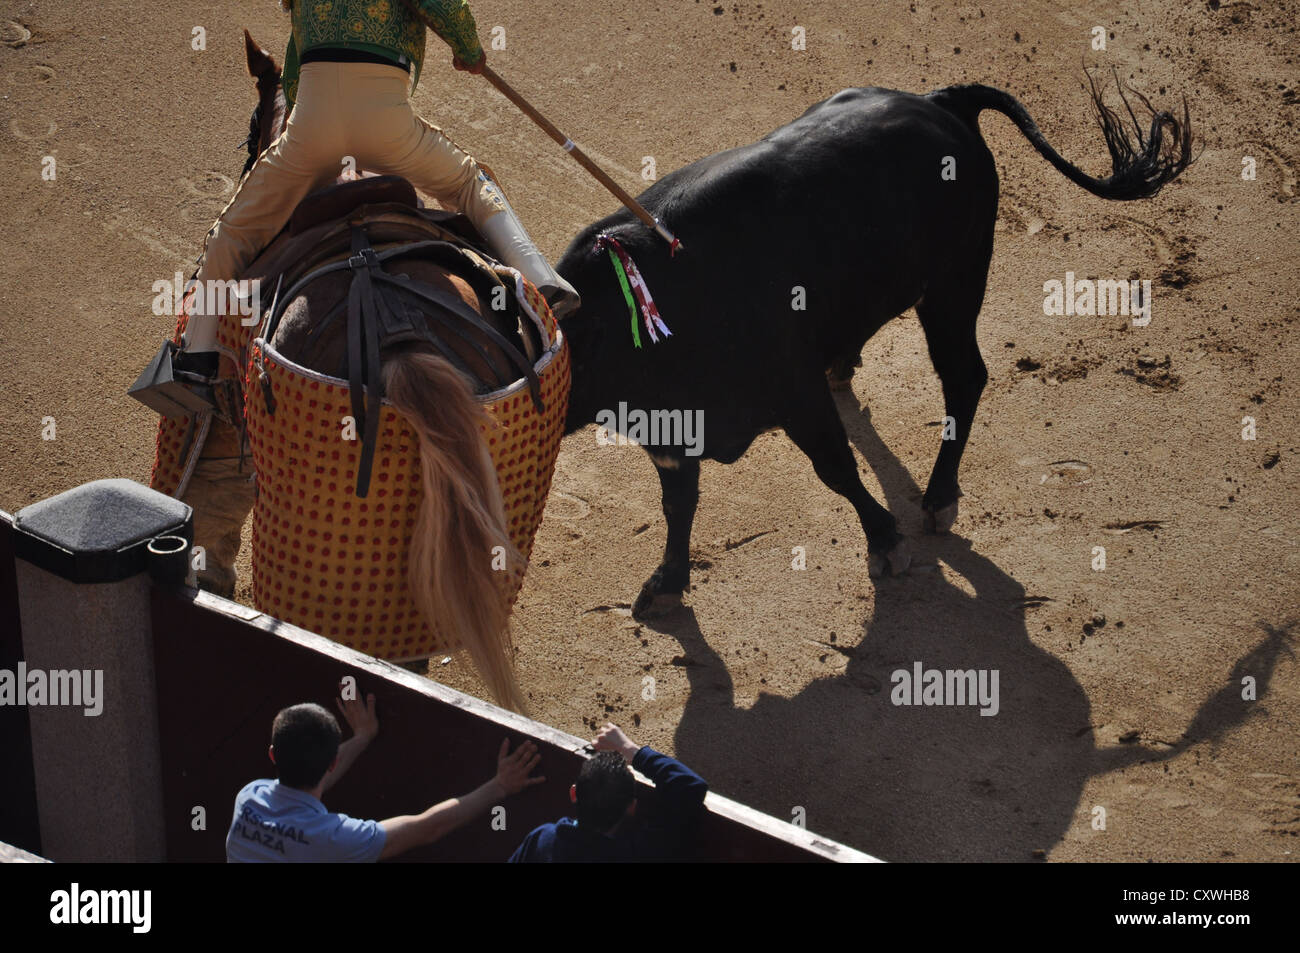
872 202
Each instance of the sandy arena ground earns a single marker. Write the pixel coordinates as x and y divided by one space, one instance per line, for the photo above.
1121 690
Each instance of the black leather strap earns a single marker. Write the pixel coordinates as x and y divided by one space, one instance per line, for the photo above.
374 323
421 333
365 380
442 299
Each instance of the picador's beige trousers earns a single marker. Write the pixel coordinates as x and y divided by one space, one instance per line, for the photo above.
348 115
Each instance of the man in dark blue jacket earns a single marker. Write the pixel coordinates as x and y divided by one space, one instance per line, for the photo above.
607 829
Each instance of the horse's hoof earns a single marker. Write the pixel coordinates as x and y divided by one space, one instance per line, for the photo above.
651 605
940 520
839 383
894 562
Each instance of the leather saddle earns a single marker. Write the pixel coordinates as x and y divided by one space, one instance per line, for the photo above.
336 201
319 228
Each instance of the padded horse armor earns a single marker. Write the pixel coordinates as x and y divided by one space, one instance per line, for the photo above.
327 557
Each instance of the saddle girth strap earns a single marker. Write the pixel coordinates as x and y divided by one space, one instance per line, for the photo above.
365 380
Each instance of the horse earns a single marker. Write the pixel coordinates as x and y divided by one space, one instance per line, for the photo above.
454 348
797 249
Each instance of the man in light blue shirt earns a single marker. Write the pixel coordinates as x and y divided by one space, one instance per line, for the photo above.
275 822
285 821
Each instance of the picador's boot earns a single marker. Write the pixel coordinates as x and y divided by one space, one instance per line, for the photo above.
199 348
510 242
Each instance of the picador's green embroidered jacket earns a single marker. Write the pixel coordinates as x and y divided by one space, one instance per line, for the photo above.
394 29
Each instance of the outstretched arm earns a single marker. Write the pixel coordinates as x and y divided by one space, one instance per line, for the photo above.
454 23
414 830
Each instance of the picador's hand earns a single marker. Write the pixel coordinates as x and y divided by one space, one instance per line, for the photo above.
476 68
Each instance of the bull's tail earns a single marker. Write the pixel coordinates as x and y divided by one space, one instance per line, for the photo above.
1139 170
461 519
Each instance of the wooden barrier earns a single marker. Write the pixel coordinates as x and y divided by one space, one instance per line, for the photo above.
215 673
223 671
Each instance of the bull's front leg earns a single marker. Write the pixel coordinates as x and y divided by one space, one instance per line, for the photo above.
679 479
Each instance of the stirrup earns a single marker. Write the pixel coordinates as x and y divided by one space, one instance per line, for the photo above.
179 383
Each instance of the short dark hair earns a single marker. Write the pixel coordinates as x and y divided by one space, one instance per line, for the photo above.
605 789
306 741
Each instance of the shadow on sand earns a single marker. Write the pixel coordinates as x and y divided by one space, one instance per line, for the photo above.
925 783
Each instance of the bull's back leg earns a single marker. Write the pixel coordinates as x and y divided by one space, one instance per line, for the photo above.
679 481
948 314
815 427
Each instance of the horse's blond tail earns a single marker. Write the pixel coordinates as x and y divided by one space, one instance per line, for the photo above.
461 521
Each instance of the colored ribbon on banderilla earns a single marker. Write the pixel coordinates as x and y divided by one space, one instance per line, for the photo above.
630 280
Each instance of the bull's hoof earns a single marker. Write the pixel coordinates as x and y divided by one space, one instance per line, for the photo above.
940 520
840 374
651 605
893 562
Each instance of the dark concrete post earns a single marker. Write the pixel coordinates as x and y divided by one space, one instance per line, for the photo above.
84 561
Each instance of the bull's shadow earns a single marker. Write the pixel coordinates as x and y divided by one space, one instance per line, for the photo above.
919 783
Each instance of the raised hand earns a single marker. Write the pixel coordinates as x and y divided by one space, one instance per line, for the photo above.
513 770
360 717
476 68
612 738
